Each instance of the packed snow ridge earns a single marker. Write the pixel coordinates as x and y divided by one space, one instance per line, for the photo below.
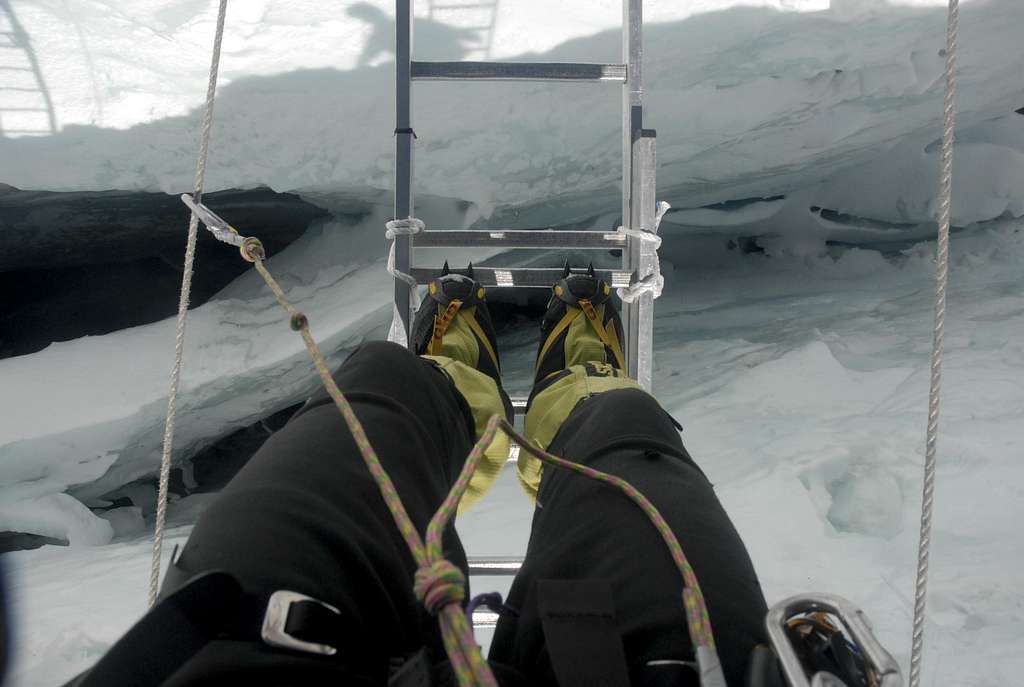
748 101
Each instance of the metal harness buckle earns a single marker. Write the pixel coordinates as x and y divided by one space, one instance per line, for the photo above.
275 622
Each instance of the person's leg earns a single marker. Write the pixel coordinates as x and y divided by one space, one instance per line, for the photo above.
596 566
583 529
305 515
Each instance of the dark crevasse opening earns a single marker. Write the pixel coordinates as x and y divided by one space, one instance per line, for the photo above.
76 264
854 221
739 203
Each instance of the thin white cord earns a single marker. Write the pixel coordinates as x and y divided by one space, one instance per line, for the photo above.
396 228
179 335
941 275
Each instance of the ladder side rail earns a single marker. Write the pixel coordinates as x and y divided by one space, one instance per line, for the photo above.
403 153
632 125
645 254
490 28
632 97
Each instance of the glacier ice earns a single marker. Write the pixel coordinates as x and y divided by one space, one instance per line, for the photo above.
799 372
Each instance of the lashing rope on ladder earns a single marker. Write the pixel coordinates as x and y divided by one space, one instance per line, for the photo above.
439 584
652 282
393 229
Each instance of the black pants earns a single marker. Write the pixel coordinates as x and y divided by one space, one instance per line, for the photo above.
305 515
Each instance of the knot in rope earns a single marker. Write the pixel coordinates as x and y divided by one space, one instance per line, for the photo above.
652 282
438 584
395 228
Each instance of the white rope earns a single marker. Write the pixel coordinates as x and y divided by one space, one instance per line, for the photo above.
941 274
395 228
652 282
186 289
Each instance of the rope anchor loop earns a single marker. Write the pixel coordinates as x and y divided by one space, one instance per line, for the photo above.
252 249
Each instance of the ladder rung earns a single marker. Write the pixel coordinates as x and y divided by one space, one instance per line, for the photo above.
469 6
518 409
520 238
494 565
518 71
483 620
522 277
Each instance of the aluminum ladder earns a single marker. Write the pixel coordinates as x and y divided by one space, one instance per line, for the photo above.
638 196
486 12
26 108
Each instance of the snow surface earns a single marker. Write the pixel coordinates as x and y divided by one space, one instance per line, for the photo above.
800 374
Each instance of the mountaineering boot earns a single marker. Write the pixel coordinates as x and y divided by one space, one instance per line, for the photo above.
453 329
580 355
581 325
454 322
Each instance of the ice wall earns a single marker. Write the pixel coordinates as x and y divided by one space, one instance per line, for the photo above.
790 121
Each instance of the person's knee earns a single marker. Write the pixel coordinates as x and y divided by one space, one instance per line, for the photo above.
384 367
619 415
384 354
636 400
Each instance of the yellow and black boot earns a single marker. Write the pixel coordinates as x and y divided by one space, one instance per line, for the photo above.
453 328
581 325
580 355
453 321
